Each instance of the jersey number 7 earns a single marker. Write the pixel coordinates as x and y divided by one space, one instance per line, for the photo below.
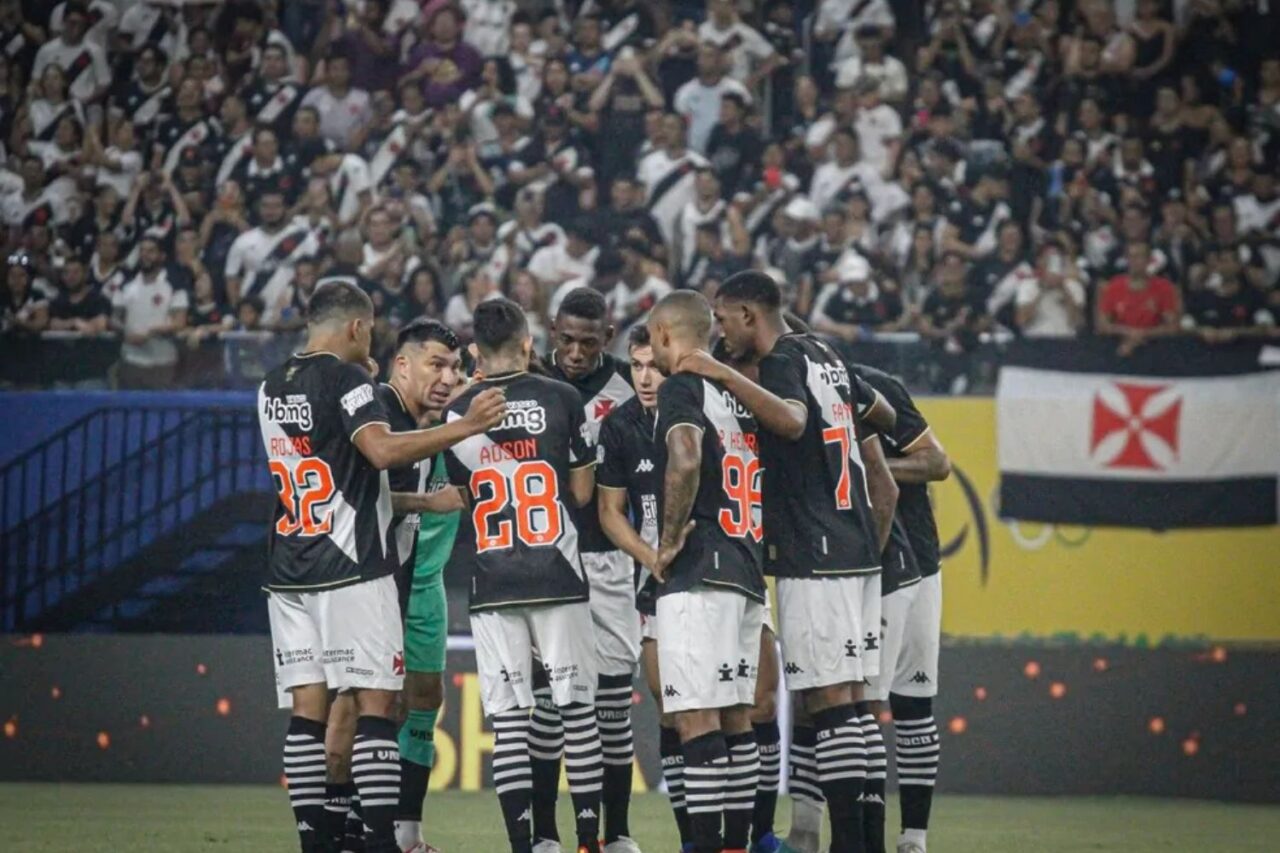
842 437
305 493
532 490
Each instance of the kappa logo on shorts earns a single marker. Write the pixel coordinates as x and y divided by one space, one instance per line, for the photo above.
726 672
644 467
670 692
792 669
871 642
850 649
919 677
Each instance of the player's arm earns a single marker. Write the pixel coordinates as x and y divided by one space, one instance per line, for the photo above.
680 486
441 502
612 506
785 418
582 483
386 449
881 488
923 461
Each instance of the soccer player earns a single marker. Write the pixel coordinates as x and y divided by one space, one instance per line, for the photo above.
331 559
580 336
529 590
824 539
425 372
710 606
912 614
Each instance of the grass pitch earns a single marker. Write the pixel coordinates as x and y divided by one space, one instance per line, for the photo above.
181 818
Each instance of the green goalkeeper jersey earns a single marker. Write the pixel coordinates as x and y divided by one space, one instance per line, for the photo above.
436 531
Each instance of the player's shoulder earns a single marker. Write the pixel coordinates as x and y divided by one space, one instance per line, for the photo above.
393 402
887 384
624 417
681 386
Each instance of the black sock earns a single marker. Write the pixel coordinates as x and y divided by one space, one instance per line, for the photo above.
768 742
706 770
546 743
673 773
873 793
916 752
375 768
740 788
352 840
304 771
613 718
513 777
842 771
584 766
414 780
337 802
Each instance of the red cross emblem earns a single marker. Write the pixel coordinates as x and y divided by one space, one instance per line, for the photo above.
397 663
603 407
1136 426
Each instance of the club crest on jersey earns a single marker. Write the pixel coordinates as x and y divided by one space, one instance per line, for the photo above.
357 398
527 415
292 409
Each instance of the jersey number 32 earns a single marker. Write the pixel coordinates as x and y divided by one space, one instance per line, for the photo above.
305 492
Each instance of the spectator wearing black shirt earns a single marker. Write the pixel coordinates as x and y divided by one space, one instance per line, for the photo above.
734 147
1226 307
854 307
990 279
621 101
78 307
951 318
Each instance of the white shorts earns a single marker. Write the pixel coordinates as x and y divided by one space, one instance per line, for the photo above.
348 638
830 630
560 635
649 624
610 576
895 611
916 671
708 649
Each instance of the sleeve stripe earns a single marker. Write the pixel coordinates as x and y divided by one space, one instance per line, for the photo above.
611 488
369 424
904 448
677 426
581 465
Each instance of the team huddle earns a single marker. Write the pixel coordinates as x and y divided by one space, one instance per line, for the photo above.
609 514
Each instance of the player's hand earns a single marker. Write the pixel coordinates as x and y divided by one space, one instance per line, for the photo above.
701 363
667 553
486 411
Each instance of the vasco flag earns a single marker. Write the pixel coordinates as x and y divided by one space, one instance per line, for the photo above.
1180 434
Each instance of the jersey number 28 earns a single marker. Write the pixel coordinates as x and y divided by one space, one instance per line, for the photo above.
305 493
532 491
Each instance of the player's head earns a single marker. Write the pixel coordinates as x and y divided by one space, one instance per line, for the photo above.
644 369
679 324
340 319
748 303
427 364
501 336
580 332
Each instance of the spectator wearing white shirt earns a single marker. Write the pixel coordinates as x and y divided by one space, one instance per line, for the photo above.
99 31
84 62
489 25
149 310
750 57
477 286
835 21
1050 302
343 109
872 62
636 292
574 257
878 126
844 171
699 99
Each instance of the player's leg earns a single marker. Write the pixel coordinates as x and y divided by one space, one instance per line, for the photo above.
764 721
740 736
343 822
668 737
566 639
617 632
872 659
426 625
504 662
364 643
546 745
300 681
808 808
917 745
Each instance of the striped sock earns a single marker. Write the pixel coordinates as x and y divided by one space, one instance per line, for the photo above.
873 795
917 749
304 769
613 718
740 788
513 777
584 765
546 744
767 740
673 773
706 771
375 768
842 772
807 804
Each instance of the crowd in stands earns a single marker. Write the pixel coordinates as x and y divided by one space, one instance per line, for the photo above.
180 171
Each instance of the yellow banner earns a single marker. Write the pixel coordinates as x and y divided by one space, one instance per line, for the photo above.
1026 579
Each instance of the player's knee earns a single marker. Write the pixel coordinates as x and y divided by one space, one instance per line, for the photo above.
830 696
423 691
668 721
337 764
766 707
735 720
376 703
910 707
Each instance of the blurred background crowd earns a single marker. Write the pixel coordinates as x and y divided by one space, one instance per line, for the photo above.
939 176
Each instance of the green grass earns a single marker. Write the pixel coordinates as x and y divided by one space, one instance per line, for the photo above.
179 818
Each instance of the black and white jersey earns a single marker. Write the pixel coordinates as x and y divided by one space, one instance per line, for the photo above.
602 390
900 567
913 498
409 479
331 527
723 550
817 512
517 476
627 460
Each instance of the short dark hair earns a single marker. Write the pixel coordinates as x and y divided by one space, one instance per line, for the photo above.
423 330
639 336
585 303
752 286
498 324
337 298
